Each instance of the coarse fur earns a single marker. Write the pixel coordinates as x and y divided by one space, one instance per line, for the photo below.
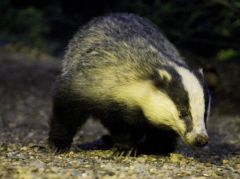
121 70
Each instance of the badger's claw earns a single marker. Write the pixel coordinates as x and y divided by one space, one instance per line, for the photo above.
125 152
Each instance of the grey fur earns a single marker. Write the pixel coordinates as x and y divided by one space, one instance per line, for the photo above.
108 33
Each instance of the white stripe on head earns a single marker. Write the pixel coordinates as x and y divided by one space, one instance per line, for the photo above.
196 98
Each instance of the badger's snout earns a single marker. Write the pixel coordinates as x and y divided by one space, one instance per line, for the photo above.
198 140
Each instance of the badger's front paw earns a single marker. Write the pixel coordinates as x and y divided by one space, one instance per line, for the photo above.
58 146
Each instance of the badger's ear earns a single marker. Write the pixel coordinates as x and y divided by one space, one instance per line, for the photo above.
165 75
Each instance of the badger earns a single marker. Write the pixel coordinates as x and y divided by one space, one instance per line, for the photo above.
121 70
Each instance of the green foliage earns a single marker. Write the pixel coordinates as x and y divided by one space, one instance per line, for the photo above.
30 22
27 26
227 54
202 27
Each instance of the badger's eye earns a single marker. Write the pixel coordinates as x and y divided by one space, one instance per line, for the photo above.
183 114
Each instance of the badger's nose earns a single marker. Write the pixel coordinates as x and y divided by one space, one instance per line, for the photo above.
200 140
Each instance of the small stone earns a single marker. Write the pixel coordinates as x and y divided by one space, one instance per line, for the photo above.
24 148
206 175
142 159
84 174
152 170
175 158
224 161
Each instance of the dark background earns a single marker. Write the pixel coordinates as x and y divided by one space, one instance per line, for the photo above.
206 32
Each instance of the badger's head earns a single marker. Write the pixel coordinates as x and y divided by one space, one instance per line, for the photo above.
180 100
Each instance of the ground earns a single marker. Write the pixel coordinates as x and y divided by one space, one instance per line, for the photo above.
25 98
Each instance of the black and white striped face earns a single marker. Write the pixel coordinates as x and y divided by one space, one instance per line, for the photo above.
190 103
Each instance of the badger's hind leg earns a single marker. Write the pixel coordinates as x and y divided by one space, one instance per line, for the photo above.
67 117
158 141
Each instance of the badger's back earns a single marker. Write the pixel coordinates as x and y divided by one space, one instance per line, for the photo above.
126 36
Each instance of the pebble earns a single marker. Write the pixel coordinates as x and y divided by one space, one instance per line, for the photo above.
175 158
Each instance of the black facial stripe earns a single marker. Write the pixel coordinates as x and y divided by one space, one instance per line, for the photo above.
175 90
206 98
199 77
